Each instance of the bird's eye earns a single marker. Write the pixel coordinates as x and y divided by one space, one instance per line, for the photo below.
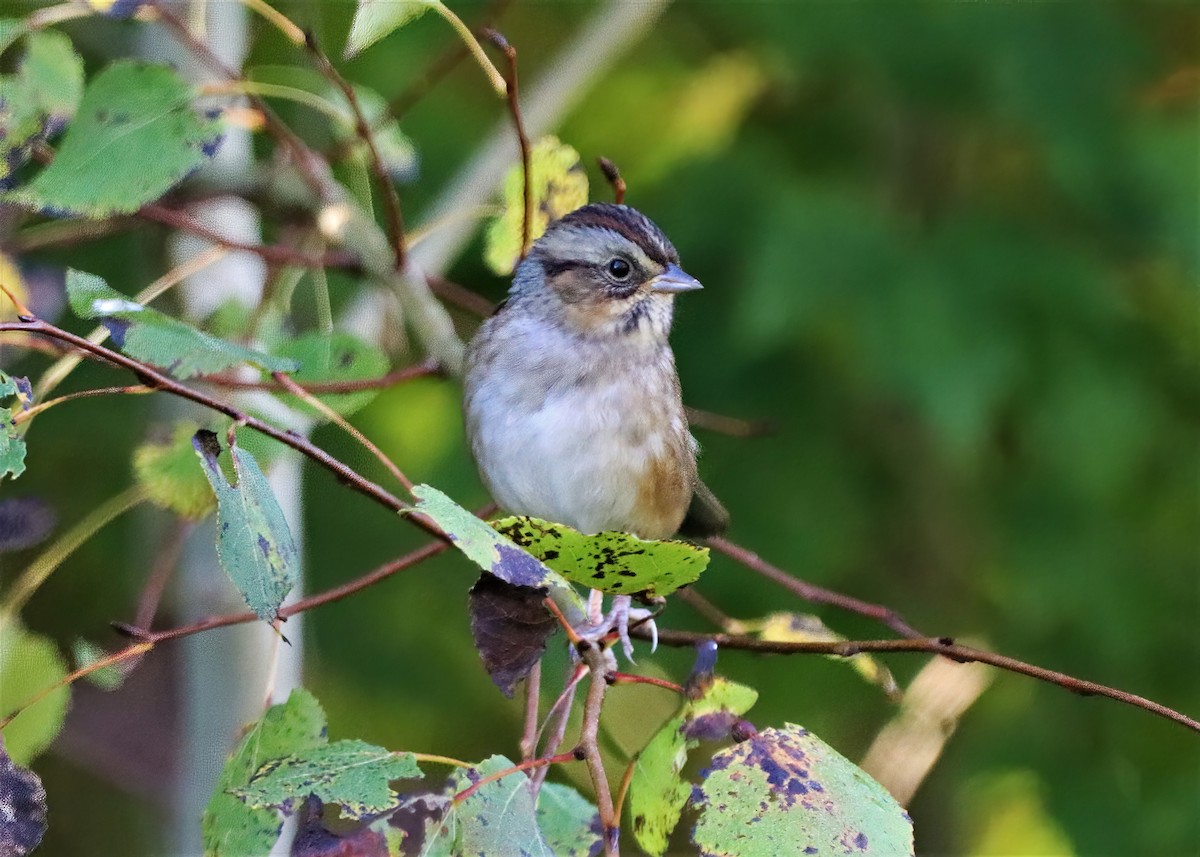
619 269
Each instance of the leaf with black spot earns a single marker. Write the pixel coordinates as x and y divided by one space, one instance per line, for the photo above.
231 828
786 792
254 542
510 625
613 562
22 808
314 839
658 792
495 553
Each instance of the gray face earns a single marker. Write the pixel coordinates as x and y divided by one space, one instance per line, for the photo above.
606 264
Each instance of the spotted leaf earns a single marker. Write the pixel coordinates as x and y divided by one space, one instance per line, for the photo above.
613 562
786 792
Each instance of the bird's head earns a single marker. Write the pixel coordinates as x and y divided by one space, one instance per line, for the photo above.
607 270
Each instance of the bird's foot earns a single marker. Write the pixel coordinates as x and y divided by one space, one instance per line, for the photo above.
618 619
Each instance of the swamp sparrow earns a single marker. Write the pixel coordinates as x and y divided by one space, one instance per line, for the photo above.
572 401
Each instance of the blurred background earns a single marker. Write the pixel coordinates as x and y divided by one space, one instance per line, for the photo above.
951 254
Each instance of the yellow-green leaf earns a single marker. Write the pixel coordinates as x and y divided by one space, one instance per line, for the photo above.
559 186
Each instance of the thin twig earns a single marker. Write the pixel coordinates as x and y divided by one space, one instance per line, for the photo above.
337 593
613 175
556 721
589 743
812 592
134 389
527 765
533 698
927 645
304 158
732 426
362 128
344 424
423 369
514 107
164 564
152 377
275 254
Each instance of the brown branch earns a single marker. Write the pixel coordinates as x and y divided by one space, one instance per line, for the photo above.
395 219
460 296
589 744
613 175
812 592
306 159
276 254
514 107
152 377
337 593
527 765
423 369
164 564
533 698
943 646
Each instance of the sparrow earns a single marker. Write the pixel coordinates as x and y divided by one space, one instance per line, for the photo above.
572 402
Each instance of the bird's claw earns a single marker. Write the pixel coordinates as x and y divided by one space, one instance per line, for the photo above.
618 619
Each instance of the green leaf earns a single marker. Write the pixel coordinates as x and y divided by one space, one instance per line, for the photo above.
374 19
135 137
352 774
786 792
330 358
87 653
497 819
806 628
30 663
148 335
569 823
12 444
40 97
230 827
253 540
613 562
495 553
558 185
168 473
658 792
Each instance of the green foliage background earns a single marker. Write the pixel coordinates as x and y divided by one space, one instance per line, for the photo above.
951 252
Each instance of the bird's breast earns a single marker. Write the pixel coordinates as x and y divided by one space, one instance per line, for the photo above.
599 444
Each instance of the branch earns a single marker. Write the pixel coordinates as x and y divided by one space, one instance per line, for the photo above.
514 107
589 744
363 129
424 369
275 254
944 646
613 176
812 592
337 593
152 377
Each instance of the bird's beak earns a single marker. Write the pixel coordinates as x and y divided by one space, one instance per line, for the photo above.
674 280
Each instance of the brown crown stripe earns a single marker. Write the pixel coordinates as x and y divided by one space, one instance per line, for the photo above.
628 223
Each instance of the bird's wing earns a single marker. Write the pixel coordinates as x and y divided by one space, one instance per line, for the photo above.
705 515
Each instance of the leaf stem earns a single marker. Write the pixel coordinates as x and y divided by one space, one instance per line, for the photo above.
495 78
281 21
589 744
275 90
134 389
523 766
